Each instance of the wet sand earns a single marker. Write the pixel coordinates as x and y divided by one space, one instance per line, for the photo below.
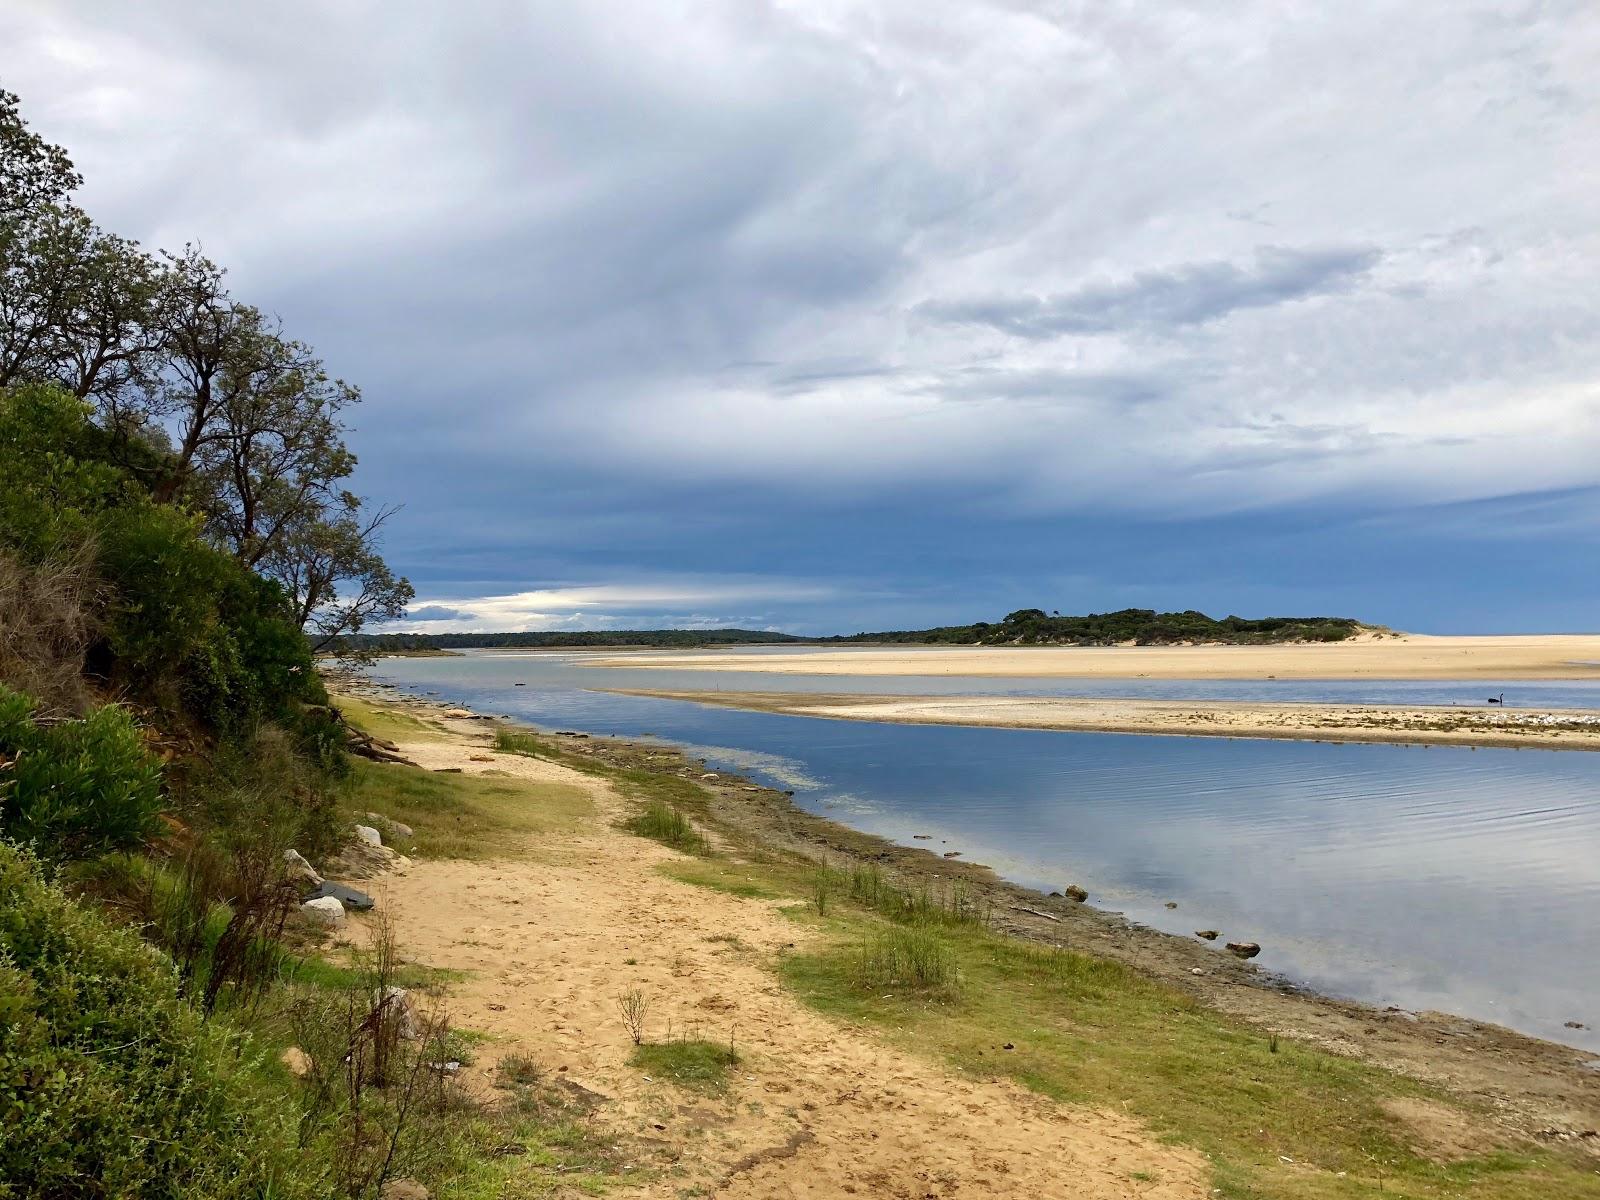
1551 729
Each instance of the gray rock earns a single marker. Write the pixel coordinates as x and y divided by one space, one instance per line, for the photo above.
1244 949
396 828
1073 892
347 896
396 1006
369 835
1210 935
404 1189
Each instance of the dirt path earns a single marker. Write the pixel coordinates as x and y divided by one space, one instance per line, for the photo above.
815 1109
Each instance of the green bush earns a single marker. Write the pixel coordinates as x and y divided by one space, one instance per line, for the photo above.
110 1085
913 958
75 788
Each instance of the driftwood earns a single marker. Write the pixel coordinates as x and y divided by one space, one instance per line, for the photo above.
1034 912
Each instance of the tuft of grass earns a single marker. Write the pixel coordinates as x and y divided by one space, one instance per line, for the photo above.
468 816
903 957
666 824
512 741
690 1063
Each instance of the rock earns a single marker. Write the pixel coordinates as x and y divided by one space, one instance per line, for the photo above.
404 1189
300 1063
325 909
299 871
369 835
480 758
1196 971
395 828
347 896
1073 892
396 1006
1244 949
711 775
923 837
358 860
1576 1025
952 854
1210 935
1172 904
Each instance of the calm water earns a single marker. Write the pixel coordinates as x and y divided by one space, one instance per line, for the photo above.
1428 877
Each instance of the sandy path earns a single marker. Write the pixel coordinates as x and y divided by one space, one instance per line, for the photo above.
815 1110
1409 656
1553 729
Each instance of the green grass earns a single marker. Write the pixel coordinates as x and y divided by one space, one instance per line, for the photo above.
392 724
511 741
662 822
925 970
468 816
691 1063
904 957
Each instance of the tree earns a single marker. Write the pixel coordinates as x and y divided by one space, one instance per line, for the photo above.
33 173
338 582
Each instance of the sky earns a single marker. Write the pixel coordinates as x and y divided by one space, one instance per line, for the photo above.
826 316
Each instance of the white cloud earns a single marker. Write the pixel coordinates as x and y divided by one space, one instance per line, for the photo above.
665 603
1231 260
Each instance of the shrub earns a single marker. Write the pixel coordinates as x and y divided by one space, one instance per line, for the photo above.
75 788
110 1085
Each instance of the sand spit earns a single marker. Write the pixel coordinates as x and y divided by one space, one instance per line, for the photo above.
1401 656
1548 729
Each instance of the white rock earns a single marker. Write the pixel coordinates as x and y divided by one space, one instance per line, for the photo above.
369 835
396 1002
301 871
395 828
326 909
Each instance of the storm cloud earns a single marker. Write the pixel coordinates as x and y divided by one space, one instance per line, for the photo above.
884 310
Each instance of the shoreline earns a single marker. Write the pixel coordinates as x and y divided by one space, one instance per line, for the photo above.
1556 1084
1533 729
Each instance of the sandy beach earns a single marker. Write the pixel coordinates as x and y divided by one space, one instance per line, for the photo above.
1400 656
1552 729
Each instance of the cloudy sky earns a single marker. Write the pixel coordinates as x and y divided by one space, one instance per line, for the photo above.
826 315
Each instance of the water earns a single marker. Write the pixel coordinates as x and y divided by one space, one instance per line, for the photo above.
1426 877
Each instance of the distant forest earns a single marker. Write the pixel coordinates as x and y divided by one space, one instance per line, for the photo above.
1025 627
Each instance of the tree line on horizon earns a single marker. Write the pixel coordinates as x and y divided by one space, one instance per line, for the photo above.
1025 627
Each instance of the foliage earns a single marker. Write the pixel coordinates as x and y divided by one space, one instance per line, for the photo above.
78 787
1141 626
106 1075
200 400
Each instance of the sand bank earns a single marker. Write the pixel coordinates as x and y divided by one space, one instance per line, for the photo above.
1555 729
1405 656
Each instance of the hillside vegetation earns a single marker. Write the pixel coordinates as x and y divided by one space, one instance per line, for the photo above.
177 540
1140 626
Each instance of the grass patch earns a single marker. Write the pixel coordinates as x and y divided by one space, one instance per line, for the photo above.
736 879
1092 1031
690 1063
388 723
468 816
902 957
512 741
666 824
